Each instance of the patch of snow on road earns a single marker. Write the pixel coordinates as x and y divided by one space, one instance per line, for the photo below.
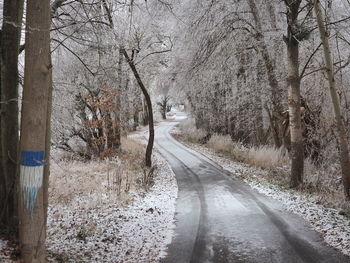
110 233
334 227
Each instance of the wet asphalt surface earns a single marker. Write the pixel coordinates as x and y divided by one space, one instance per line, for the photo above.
220 219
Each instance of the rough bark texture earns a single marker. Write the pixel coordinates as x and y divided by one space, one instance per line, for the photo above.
10 40
294 102
342 134
149 107
37 77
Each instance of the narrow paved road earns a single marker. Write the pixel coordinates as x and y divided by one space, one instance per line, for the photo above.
220 219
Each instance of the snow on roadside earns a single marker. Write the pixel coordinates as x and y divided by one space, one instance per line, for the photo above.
334 227
110 233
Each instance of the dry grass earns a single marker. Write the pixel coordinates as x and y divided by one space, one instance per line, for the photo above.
190 132
262 156
224 144
267 157
221 143
131 146
110 178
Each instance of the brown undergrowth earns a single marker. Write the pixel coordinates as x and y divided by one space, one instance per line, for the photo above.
115 177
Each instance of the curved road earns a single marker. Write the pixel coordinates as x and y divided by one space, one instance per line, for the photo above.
221 219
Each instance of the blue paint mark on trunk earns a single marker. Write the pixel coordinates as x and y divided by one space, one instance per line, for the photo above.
31 176
29 158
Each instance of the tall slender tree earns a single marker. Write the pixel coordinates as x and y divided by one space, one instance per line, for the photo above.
149 147
37 78
276 102
10 41
342 140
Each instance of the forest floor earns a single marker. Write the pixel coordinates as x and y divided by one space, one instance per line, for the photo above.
108 211
330 222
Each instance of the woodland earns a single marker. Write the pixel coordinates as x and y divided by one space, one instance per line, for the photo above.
78 76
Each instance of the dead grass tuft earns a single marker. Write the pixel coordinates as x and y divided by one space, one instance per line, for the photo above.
112 178
131 146
224 144
190 132
267 157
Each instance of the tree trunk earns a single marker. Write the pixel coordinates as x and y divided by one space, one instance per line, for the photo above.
10 41
47 147
343 140
294 102
258 109
271 75
118 109
149 107
145 120
37 77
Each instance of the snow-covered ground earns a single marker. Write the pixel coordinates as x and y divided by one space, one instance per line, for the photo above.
89 222
334 227
108 232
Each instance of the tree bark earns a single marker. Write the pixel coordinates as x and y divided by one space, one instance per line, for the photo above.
118 110
149 107
47 146
294 102
37 77
271 75
258 109
342 134
10 41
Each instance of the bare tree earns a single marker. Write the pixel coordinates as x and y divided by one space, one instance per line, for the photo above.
342 134
164 106
10 41
37 77
149 107
294 102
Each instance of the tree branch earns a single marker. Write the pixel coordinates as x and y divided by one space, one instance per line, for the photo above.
76 55
309 60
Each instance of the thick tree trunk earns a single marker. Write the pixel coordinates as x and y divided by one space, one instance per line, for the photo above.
297 149
37 77
294 102
343 140
149 107
10 41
